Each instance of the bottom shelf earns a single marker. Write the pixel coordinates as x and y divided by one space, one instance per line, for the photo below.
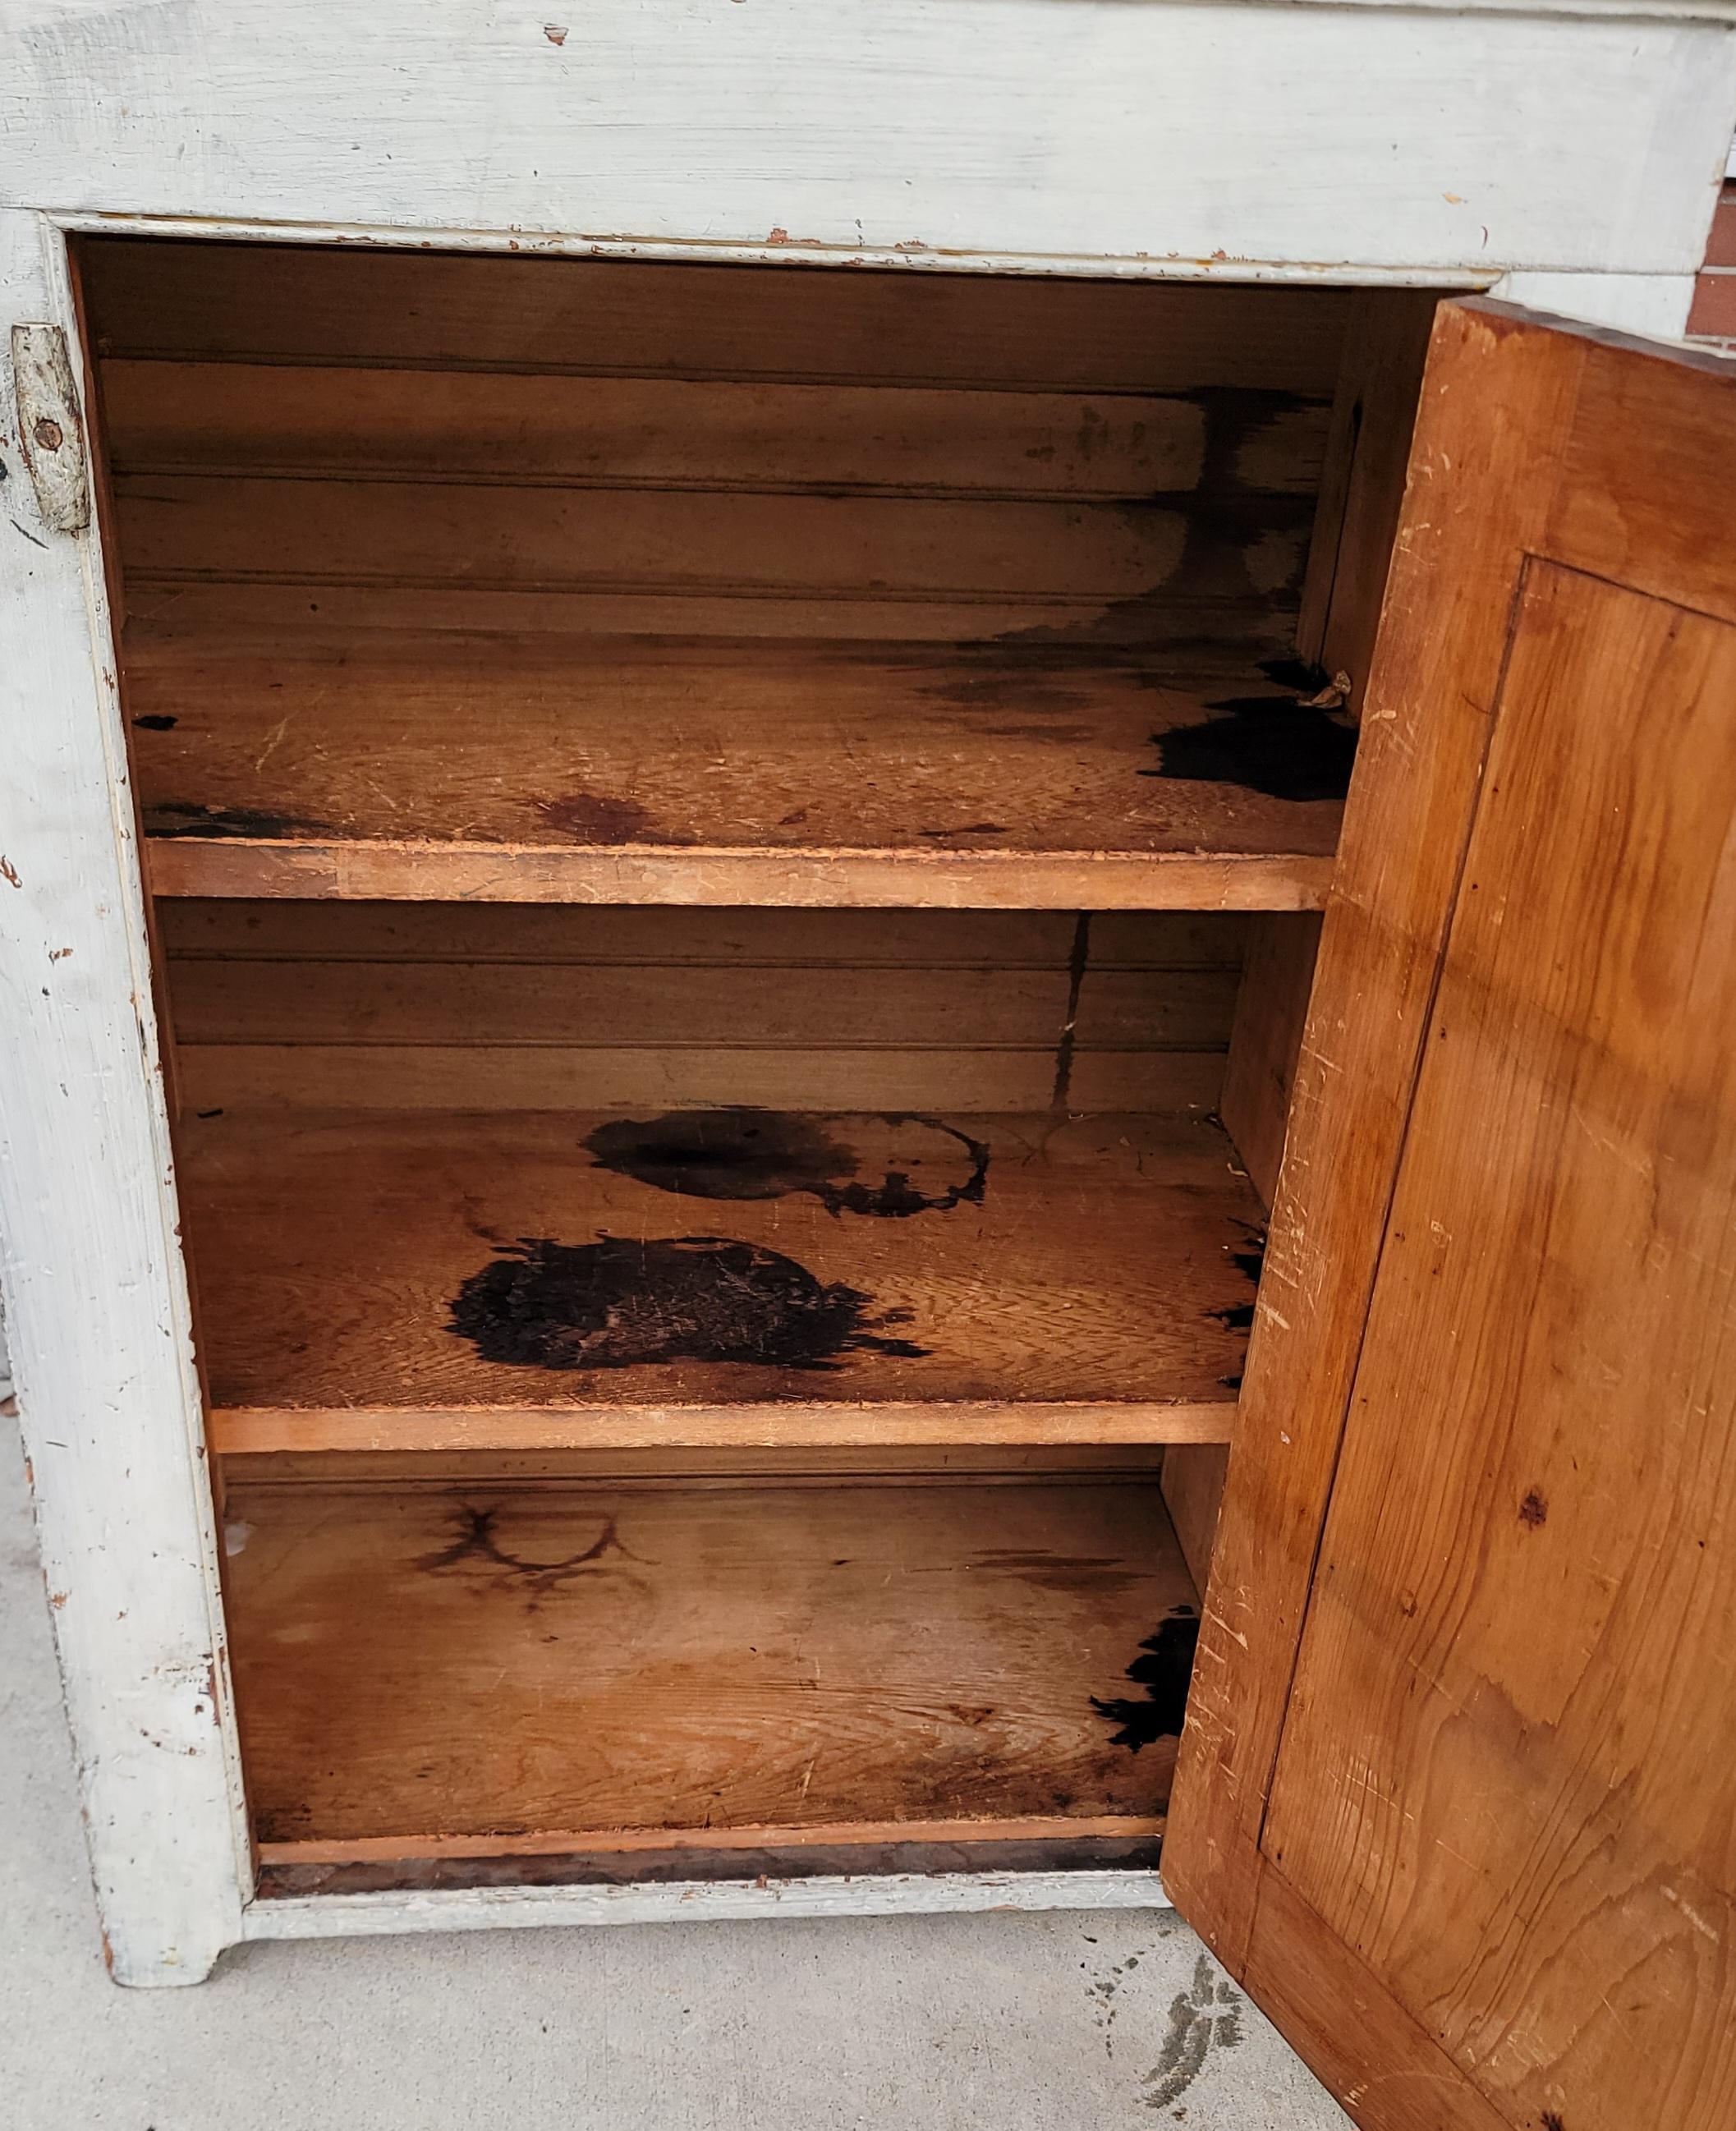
555 1669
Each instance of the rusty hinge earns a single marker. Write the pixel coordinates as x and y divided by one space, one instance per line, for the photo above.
51 428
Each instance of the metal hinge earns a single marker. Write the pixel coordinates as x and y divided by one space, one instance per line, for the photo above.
51 428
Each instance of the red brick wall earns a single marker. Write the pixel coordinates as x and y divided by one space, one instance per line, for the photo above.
1712 317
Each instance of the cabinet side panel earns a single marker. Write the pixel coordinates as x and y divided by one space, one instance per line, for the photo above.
97 1305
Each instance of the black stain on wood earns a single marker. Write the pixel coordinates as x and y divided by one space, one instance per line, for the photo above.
1277 745
1533 1510
591 817
1163 1668
1248 1260
180 817
622 1302
156 721
746 1153
965 829
1553 2122
477 1541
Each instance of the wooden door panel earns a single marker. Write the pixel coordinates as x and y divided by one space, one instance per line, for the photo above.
1496 1780
1457 1798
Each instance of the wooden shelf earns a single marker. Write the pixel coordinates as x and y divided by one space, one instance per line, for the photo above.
432 1672
1082 1280
624 771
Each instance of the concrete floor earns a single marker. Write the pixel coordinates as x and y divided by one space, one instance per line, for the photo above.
1089 2022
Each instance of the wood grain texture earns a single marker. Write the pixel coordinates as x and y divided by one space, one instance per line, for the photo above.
96 1301
1194 1475
1265 1040
1493 410
1367 458
736 1465
605 1660
325 305
808 137
1520 1616
1098 1271
1496 1792
678 492
1017 1862
463 768
544 429
334 1005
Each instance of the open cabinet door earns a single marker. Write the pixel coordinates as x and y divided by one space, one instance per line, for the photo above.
1457 1798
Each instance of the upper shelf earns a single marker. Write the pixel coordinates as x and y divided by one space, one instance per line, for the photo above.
550 770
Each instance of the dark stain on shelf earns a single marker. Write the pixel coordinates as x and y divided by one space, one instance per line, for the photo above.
1163 1668
180 817
621 1302
476 1541
591 817
155 721
966 829
1533 1510
746 1153
1248 1260
1012 687
1281 745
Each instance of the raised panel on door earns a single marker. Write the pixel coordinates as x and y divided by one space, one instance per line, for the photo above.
1456 1799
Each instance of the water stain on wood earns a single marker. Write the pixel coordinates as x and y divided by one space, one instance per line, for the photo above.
180 817
622 1302
477 1541
743 1152
1014 688
1163 1669
1248 1260
1533 1510
591 818
1280 745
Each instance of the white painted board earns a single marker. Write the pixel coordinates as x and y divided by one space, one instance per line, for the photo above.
96 1293
1140 136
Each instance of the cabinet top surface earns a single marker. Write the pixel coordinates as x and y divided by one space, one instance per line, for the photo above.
1361 142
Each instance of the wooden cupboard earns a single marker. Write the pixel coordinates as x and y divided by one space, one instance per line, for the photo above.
722 975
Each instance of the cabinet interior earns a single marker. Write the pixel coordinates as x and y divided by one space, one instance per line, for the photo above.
735 857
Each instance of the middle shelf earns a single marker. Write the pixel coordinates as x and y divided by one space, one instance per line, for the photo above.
372 1281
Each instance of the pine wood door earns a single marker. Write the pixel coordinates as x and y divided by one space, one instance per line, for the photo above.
1457 1798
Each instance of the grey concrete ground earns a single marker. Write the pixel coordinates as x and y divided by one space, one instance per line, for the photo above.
1079 2022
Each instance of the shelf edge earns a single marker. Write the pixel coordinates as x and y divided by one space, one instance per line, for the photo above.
235 1431
242 869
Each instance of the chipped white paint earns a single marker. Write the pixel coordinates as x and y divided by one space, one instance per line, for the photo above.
96 1296
1230 138
51 428
696 1901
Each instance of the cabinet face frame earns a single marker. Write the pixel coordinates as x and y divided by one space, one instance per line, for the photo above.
1190 138
113 1416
